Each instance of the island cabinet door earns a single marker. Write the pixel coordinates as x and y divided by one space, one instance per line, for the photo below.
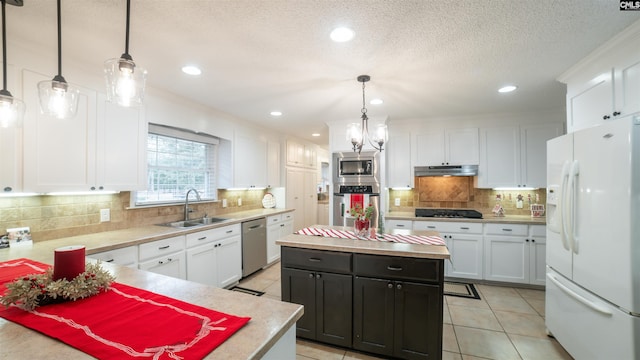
334 296
418 321
373 318
299 286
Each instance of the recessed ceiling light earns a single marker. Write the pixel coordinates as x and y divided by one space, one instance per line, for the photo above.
376 102
508 88
315 134
276 113
342 34
191 70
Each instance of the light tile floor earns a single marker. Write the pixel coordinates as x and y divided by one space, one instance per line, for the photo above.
506 323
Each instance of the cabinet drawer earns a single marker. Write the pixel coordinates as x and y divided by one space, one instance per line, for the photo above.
207 236
398 224
329 261
395 267
449 227
506 229
538 230
161 247
287 216
123 256
274 219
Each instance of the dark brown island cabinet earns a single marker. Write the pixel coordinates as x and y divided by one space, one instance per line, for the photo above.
380 304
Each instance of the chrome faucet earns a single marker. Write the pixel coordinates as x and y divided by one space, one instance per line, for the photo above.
187 210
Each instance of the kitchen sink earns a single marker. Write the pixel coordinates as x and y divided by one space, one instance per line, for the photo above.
195 222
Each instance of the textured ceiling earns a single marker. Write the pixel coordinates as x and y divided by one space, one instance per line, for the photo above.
426 59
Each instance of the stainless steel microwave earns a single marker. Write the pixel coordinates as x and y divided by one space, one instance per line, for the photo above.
352 168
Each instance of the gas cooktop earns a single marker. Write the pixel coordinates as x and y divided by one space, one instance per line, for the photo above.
449 213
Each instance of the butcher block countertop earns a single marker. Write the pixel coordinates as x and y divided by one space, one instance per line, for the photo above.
487 218
368 246
270 319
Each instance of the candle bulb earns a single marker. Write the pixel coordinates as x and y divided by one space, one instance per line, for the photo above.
68 262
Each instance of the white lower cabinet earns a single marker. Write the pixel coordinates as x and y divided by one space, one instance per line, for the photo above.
166 257
515 253
465 243
127 256
278 226
214 257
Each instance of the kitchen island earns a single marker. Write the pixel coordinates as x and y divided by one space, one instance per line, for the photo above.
270 334
380 297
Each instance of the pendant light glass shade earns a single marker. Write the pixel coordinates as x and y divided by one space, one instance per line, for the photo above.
57 98
11 109
125 80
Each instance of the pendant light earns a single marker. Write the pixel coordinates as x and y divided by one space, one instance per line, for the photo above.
125 80
11 109
358 133
57 98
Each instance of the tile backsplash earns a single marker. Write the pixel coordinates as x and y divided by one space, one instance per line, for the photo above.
52 217
459 192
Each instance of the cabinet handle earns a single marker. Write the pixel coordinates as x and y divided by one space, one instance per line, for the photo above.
616 113
400 225
315 260
606 117
281 225
399 286
431 227
229 231
310 276
464 228
527 240
7 189
202 238
163 247
390 285
160 262
317 276
93 188
533 240
394 268
110 260
507 229
170 259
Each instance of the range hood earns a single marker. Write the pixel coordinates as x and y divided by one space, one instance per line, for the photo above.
446 170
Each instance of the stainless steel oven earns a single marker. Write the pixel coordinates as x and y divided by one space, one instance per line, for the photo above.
354 169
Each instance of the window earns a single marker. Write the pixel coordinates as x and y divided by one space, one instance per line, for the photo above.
178 160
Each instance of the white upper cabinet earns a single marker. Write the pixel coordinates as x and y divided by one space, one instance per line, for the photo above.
301 155
11 147
606 85
102 148
446 147
59 154
515 156
399 170
273 164
249 161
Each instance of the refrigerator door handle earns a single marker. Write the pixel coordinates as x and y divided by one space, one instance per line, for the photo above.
563 206
578 298
573 176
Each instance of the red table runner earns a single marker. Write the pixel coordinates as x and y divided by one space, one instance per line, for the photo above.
123 322
398 238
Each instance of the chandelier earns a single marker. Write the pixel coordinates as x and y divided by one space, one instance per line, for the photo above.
358 133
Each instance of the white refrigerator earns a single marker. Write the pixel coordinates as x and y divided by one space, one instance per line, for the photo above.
592 300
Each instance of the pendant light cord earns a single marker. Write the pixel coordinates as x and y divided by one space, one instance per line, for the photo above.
4 49
59 40
126 42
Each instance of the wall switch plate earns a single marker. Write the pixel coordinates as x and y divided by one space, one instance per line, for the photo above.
239 201
396 201
105 215
224 203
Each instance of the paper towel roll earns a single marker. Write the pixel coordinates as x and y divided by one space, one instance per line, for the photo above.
68 262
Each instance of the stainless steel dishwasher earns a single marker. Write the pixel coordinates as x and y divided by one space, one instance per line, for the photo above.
254 246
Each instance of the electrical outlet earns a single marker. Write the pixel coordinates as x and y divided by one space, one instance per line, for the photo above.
396 201
224 203
239 201
105 215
